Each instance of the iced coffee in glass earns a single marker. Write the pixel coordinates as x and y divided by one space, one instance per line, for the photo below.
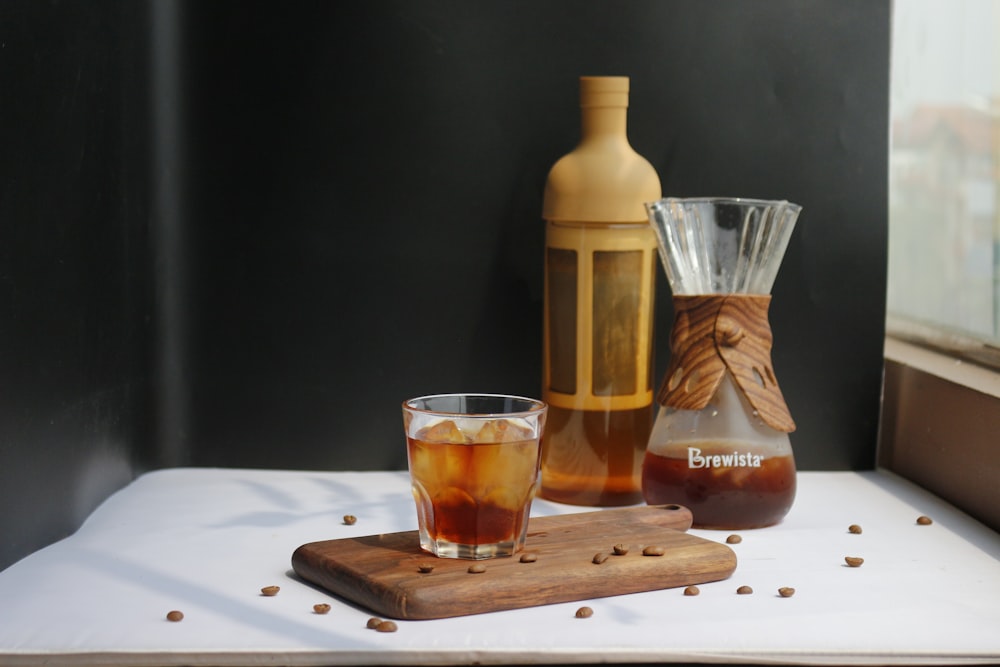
474 461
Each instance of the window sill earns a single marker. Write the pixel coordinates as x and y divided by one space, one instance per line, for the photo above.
940 426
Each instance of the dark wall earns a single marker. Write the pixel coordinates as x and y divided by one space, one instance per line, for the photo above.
74 272
306 213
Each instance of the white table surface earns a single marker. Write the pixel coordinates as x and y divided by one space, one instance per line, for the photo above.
204 541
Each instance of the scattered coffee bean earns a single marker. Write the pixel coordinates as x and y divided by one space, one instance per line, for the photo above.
373 622
478 568
620 549
270 591
924 520
350 519
854 529
692 590
786 591
653 550
734 539
529 557
425 568
386 626
321 608
599 558
853 561
175 616
584 612
744 590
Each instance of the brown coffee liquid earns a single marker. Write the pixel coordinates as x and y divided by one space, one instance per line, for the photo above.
473 494
594 457
463 521
720 495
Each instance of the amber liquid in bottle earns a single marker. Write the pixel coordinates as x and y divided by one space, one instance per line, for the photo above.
598 386
595 457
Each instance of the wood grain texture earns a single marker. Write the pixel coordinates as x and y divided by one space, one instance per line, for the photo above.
696 368
744 339
713 333
383 572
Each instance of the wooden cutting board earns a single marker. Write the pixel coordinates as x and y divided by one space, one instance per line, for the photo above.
383 572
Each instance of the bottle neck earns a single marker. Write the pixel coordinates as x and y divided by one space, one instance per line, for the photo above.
603 122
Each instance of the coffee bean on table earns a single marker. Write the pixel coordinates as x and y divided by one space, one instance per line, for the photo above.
386 626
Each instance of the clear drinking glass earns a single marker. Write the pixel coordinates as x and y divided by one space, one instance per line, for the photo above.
720 444
474 462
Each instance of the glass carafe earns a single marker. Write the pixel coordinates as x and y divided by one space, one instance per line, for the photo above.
720 444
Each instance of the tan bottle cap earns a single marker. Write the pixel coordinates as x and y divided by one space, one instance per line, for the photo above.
604 91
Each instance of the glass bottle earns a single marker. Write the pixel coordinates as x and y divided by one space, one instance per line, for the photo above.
720 443
600 268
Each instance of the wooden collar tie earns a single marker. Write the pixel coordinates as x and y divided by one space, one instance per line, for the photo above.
713 333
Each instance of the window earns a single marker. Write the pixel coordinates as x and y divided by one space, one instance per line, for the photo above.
944 220
941 416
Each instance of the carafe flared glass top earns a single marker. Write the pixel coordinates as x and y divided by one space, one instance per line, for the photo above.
722 246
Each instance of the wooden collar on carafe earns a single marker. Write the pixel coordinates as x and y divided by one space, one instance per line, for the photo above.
713 333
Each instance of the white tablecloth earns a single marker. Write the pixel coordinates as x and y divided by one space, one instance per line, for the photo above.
204 541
